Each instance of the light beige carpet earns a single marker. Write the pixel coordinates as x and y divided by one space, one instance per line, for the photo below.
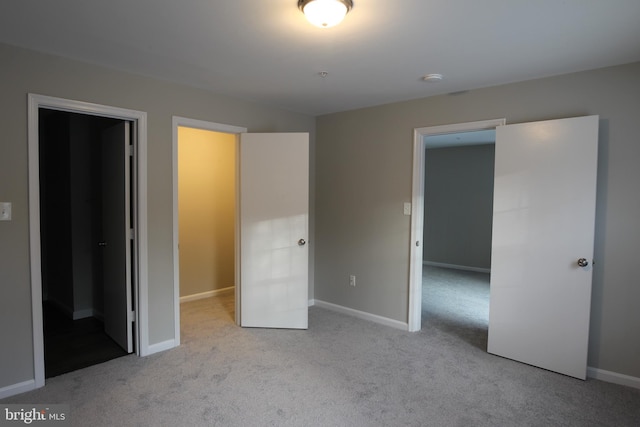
341 372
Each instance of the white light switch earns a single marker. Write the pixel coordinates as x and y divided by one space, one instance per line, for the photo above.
5 211
407 208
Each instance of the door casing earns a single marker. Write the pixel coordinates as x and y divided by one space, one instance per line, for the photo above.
414 318
204 125
140 288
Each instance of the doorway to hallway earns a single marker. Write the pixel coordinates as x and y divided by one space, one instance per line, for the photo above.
207 215
458 211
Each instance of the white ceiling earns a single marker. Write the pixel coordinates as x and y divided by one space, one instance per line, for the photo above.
266 50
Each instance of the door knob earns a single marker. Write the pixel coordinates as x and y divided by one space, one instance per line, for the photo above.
301 242
582 262
102 243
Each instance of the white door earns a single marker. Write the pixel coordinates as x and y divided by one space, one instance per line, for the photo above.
274 216
542 248
116 242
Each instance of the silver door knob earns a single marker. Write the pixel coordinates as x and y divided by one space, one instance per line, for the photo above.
301 242
102 243
582 262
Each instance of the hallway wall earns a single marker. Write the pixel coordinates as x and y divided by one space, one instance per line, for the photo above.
207 210
458 205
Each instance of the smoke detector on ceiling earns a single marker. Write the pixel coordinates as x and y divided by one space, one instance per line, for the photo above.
433 77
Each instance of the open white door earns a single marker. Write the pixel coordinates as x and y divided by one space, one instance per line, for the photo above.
274 214
115 244
543 231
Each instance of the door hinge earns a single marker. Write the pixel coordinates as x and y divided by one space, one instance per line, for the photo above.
132 234
131 151
132 316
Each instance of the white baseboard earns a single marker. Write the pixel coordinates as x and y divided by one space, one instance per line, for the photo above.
312 302
207 294
83 314
161 346
457 267
14 389
362 315
613 377
76 314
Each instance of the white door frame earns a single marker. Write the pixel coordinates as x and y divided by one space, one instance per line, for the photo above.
417 209
215 127
140 288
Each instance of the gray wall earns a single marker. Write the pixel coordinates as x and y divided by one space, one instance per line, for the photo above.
25 71
364 169
458 205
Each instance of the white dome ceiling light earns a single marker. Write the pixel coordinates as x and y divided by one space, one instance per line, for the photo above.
325 13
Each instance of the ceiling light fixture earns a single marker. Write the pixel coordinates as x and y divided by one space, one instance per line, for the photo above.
325 13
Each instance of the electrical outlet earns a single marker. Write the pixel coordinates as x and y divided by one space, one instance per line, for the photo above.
352 280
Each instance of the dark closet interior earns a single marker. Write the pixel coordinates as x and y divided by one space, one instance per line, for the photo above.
71 226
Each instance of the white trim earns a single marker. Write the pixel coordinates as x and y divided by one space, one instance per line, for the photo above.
34 242
204 125
312 302
13 389
613 377
83 314
236 270
75 314
207 294
362 315
142 290
414 320
457 267
35 102
237 235
178 121
161 346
